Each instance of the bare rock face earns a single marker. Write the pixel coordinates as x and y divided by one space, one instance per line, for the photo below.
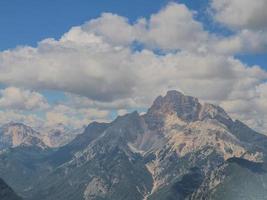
185 107
16 134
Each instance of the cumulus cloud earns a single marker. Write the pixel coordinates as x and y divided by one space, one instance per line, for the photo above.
96 70
19 99
245 41
60 113
96 65
74 117
173 27
32 120
241 14
248 21
122 112
250 109
113 28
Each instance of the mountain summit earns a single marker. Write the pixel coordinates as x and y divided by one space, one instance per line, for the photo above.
186 107
17 134
179 149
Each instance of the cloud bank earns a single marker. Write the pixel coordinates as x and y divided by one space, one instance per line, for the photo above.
110 64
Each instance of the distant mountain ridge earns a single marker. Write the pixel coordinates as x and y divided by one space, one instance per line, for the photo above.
15 134
179 149
59 135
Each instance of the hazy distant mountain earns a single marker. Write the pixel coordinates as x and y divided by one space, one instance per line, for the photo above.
179 149
17 134
6 193
58 135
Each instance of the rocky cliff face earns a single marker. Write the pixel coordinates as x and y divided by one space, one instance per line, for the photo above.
180 149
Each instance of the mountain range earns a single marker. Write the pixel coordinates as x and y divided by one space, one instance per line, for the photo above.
179 149
17 134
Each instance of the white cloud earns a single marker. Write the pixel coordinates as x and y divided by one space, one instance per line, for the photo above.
19 99
245 41
122 112
74 117
241 14
113 28
248 21
18 116
173 27
95 69
95 64
64 113
250 109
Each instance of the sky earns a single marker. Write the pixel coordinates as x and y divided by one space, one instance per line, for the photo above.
74 62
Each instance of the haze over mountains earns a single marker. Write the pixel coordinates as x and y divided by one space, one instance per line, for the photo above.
179 149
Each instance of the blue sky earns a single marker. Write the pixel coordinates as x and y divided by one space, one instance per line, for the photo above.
28 22
187 45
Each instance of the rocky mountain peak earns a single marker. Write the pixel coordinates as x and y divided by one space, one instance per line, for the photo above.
185 107
17 134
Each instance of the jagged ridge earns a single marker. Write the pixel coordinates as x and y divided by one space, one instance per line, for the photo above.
153 156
